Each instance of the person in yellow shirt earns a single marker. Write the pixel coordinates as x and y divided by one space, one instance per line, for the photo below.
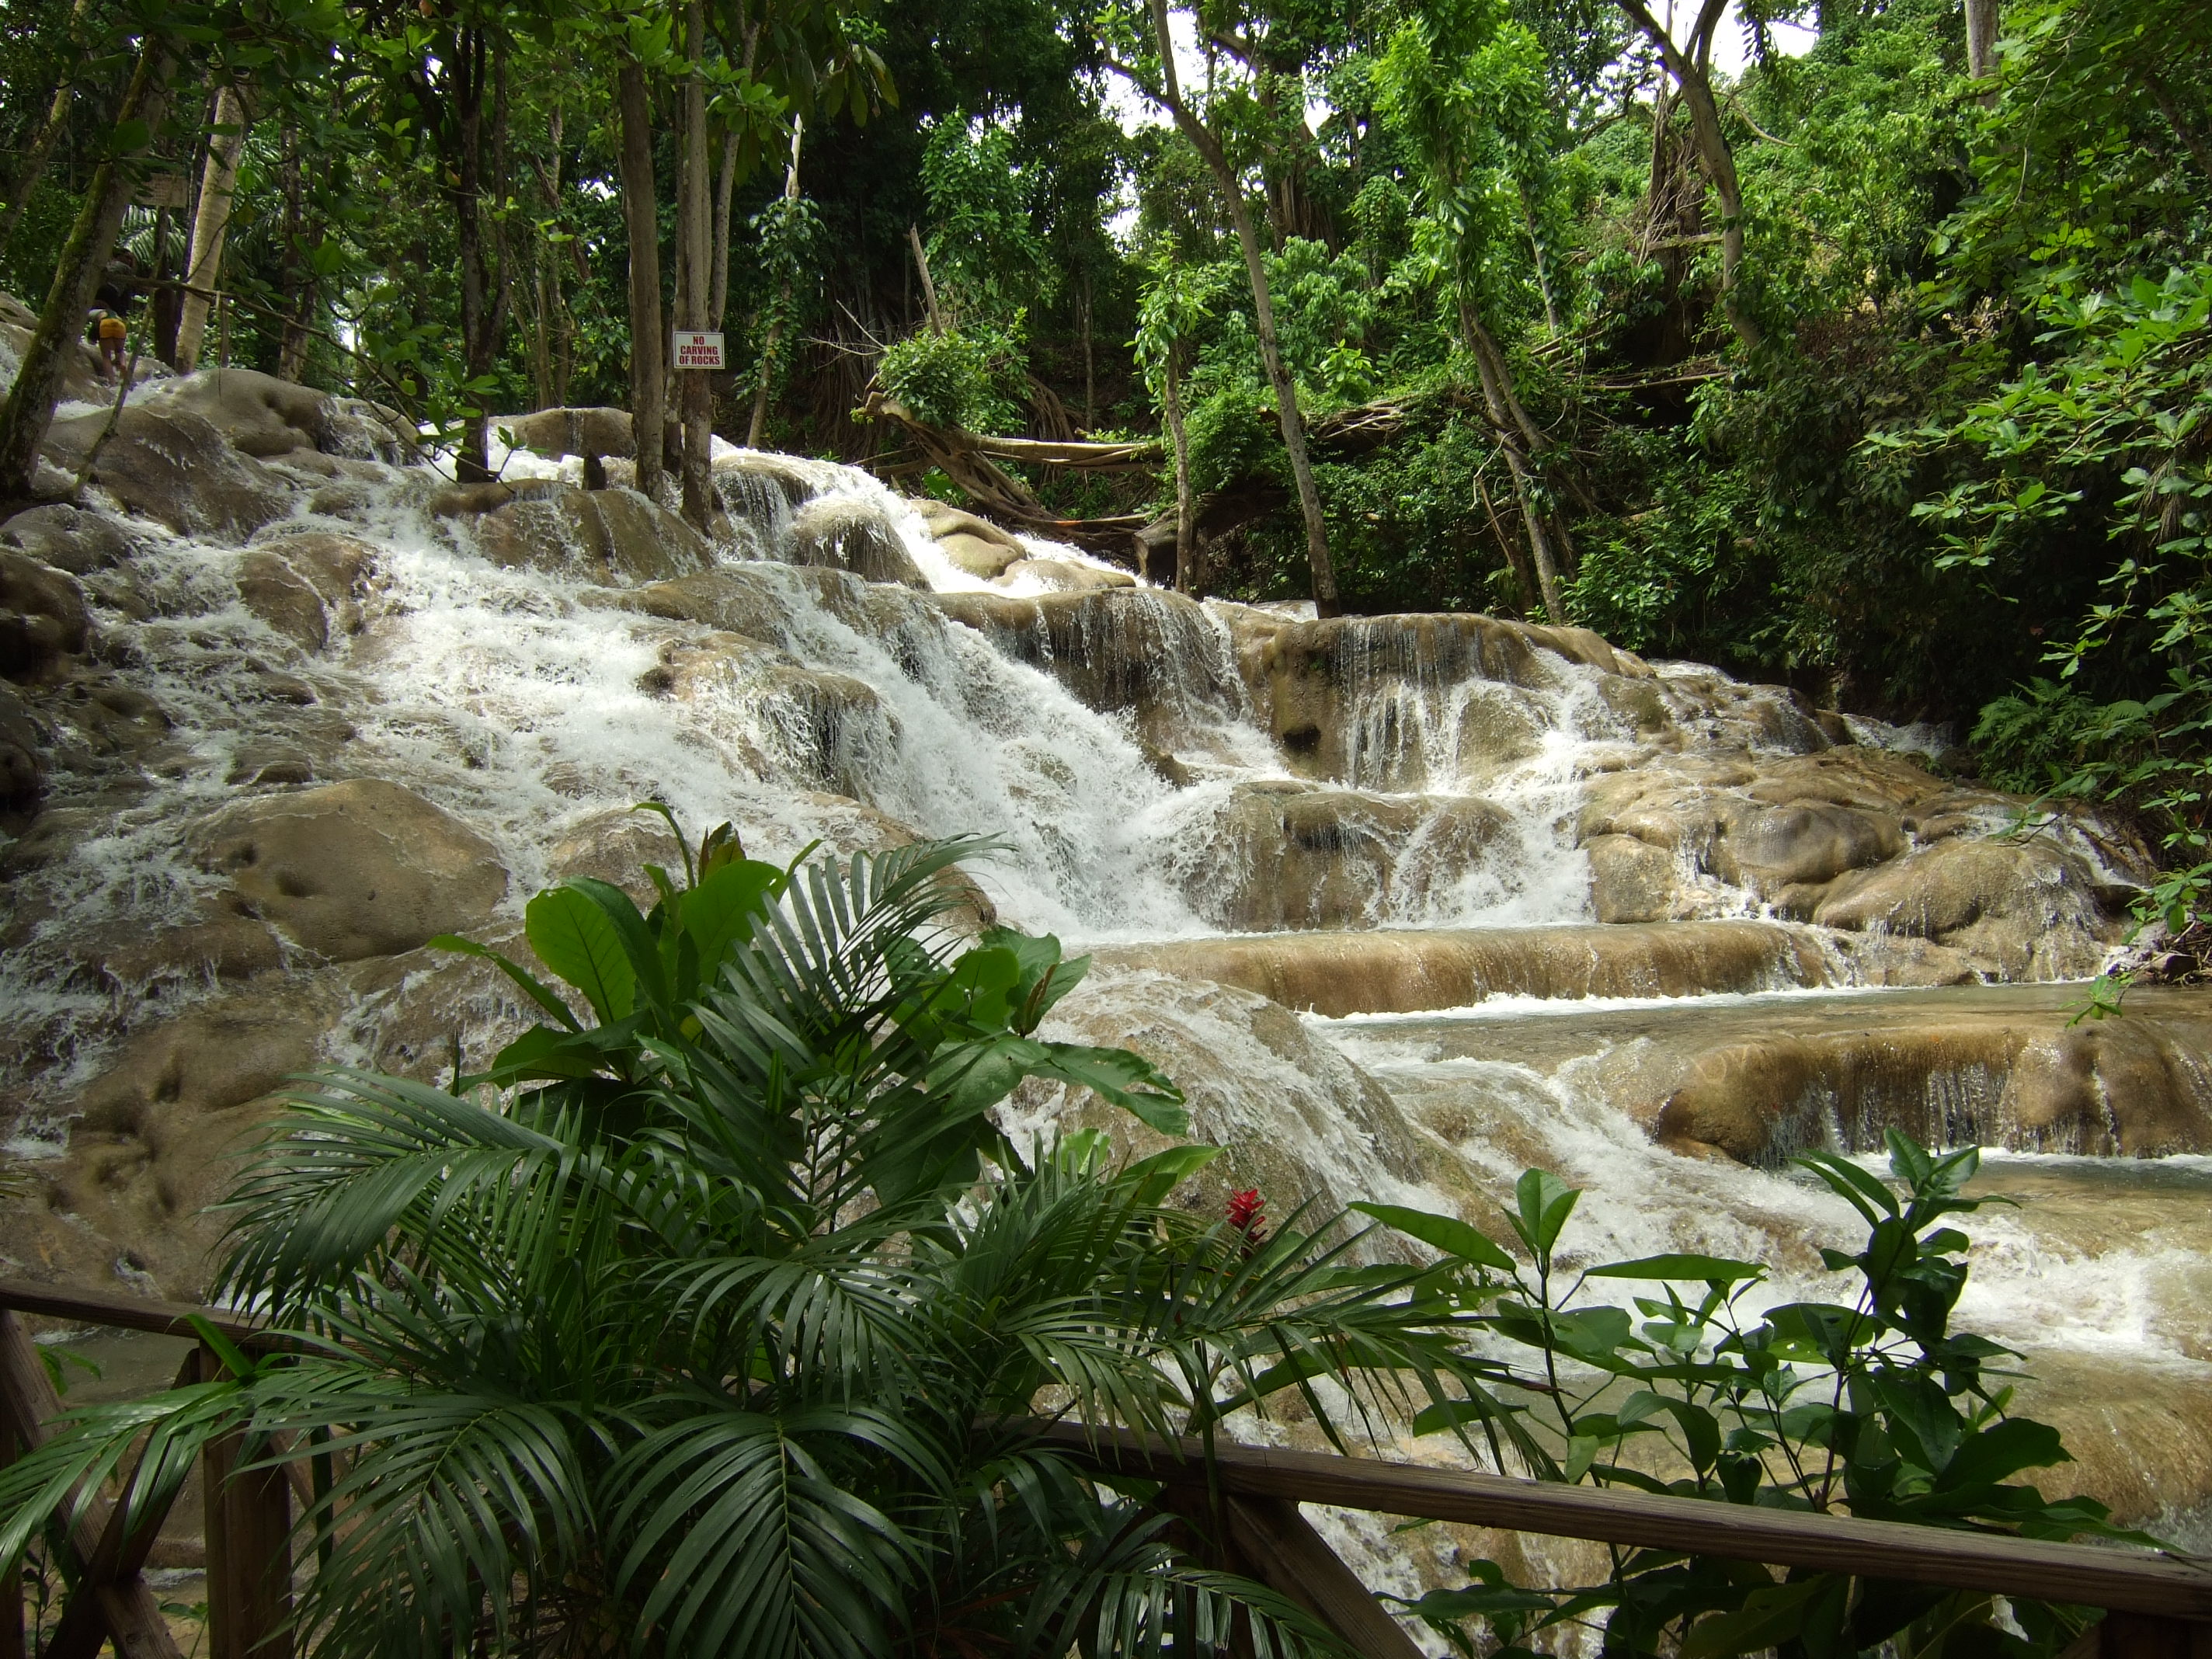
113 331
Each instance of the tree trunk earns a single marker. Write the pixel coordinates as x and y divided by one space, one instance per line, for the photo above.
210 225
300 287
756 429
928 287
472 464
1714 158
1498 398
1982 42
694 238
40 150
1263 318
1185 576
642 219
1090 370
725 183
29 407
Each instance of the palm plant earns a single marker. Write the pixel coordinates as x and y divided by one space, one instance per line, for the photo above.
717 1315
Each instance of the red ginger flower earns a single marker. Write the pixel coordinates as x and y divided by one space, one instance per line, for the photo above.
1246 1212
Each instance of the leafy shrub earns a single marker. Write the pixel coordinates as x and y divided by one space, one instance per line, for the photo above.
953 378
718 1326
1874 1408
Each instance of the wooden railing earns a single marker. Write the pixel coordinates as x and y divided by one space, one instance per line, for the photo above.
1244 1500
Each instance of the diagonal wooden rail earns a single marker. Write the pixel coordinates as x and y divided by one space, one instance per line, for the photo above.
1244 1498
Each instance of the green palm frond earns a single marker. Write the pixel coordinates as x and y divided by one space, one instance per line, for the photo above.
744 1540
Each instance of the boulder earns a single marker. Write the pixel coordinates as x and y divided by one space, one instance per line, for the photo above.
604 536
847 533
267 417
156 1139
42 617
1153 655
978 557
1063 576
1297 856
86 377
943 520
553 433
1295 1118
70 538
2029 908
171 464
348 870
1389 971
307 586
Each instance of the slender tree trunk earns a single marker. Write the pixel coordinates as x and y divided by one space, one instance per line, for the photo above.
1185 576
756 427
696 240
928 287
210 225
40 150
1090 371
1982 41
1714 158
641 217
1263 318
543 279
726 183
299 286
28 409
1497 397
1287 414
472 464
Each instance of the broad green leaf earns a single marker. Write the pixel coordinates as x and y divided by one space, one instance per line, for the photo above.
1701 1269
575 939
1446 1233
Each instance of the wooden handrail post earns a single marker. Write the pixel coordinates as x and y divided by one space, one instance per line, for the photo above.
249 1550
11 1582
124 1604
2146 1636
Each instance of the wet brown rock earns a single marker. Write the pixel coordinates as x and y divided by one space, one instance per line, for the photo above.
172 464
42 617
1855 839
842 533
156 1138
70 538
977 557
356 869
2029 908
553 433
598 536
1630 880
1065 575
1297 1120
1300 856
1993 1068
1150 654
306 586
268 418
86 377
1408 971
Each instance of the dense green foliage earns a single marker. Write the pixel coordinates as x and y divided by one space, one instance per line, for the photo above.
1874 1408
713 1318
1929 443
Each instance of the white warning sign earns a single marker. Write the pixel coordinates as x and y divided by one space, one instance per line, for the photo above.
698 347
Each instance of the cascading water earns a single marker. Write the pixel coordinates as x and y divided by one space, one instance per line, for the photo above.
1489 845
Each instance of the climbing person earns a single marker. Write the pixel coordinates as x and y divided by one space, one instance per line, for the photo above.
113 331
